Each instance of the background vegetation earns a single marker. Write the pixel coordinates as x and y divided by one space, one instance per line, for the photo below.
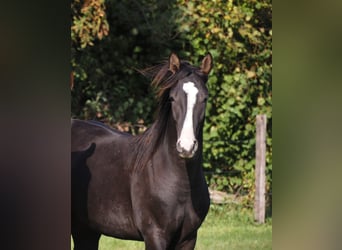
111 39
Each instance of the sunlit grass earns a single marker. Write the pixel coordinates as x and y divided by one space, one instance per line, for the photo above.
232 228
226 227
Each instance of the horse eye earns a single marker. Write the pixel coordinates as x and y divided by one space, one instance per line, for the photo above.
171 99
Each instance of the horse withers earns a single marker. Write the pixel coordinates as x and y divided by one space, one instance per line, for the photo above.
149 187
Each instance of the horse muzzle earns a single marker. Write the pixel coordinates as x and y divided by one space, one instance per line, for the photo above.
187 149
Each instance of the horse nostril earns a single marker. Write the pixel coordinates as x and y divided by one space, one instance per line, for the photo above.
179 147
195 145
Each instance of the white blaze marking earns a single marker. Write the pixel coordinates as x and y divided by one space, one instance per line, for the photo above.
187 136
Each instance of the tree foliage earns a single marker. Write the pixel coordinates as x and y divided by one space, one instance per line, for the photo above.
89 21
107 85
237 33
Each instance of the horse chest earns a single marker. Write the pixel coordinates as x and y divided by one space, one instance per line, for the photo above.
170 203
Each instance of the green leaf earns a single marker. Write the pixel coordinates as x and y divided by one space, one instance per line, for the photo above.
261 101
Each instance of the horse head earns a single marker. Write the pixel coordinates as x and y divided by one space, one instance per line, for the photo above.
188 101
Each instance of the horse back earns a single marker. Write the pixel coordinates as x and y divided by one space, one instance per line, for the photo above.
85 132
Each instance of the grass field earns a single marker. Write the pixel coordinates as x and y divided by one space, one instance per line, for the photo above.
226 227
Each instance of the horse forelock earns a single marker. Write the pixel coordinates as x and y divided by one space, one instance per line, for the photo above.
164 80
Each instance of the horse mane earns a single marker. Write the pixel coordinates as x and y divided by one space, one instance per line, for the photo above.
162 82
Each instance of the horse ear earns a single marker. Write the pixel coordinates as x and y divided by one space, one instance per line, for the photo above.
207 64
174 63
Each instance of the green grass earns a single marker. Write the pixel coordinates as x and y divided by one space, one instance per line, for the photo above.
226 227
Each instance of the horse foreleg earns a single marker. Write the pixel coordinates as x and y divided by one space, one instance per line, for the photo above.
187 244
84 238
155 239
86 241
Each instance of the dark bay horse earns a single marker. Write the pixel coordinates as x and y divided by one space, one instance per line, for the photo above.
149 187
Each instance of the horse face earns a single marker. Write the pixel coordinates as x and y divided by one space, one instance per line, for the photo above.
188 98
